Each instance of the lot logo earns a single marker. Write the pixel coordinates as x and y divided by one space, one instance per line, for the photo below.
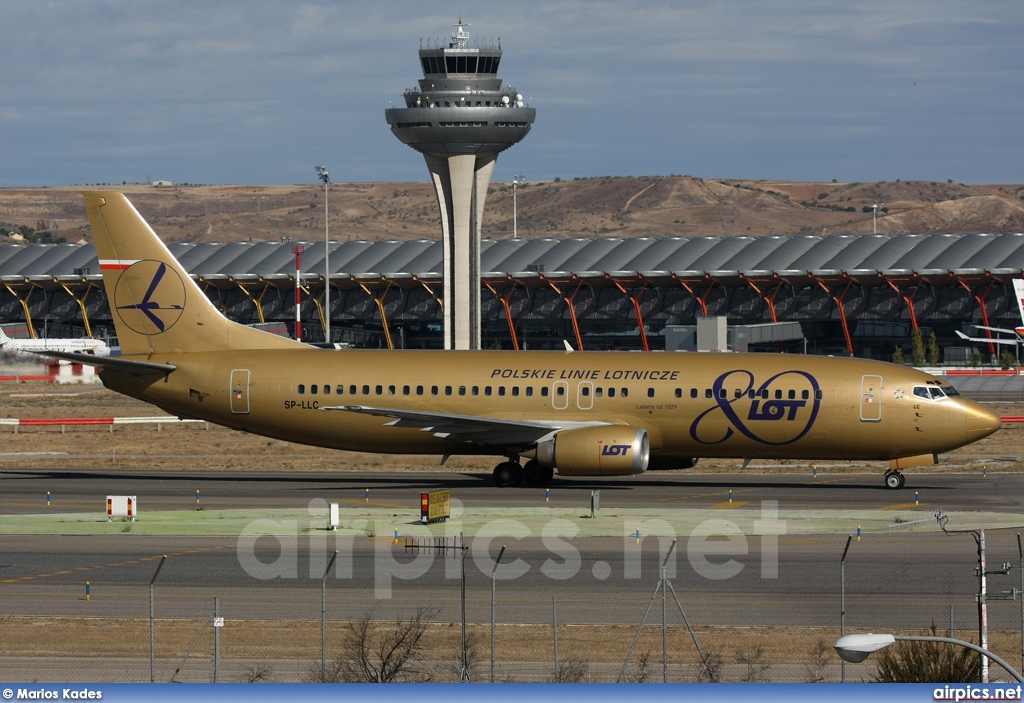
149 297
615 450
779 411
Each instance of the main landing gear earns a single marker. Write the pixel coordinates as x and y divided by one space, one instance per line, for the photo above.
894 479
510 473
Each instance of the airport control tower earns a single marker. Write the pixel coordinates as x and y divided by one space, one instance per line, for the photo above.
460 117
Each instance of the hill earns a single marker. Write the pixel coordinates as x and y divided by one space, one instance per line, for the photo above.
608 206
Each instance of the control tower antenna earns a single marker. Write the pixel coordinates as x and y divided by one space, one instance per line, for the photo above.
460 118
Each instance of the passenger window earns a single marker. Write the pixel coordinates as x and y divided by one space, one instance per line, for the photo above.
778 394
560 391
693 392
462 390
722 393
487 390
679 392
302 389
340 390
352 390
405 390
544 392
751 394
515 390
433 390
419 390
611 392
366 390
585 392
501 390
625 392
708 393
476 390
529 391
380 390
327 389
391 390
447 390
738 393
599 392
764 394
792 394
650 392
817 394
805 394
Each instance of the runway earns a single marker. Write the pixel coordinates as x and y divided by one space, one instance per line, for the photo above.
763 559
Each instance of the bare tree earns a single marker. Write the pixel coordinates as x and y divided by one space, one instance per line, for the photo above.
757 665
572 671
710 670
258 673
384 653
820 659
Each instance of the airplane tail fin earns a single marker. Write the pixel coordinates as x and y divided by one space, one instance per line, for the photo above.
1018 288
156 307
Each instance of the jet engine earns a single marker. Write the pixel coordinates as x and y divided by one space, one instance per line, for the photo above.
610 450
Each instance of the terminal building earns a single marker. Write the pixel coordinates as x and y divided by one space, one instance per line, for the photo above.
860 295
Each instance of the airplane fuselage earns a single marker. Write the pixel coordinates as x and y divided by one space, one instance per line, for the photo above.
691 405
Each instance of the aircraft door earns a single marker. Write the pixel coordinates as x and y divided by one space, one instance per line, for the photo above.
239 391
560 395
871 398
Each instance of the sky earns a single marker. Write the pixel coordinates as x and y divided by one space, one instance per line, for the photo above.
260 91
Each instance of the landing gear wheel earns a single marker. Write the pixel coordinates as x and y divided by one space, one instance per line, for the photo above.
508 473
537 475
894 479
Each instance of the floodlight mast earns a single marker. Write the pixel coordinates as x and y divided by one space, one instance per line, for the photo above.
321 171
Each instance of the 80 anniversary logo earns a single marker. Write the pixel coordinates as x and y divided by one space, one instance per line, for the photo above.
758 409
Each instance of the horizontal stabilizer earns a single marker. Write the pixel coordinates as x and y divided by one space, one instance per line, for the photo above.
117 363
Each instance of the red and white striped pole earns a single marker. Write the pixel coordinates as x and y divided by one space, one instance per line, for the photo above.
298 249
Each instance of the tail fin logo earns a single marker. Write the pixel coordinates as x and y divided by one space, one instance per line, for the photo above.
149 297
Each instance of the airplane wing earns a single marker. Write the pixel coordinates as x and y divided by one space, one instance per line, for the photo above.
128 366
995 329
469 428
986 340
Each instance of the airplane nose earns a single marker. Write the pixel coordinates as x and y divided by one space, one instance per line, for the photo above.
981 422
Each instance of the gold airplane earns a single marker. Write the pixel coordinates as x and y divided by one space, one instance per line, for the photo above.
577 413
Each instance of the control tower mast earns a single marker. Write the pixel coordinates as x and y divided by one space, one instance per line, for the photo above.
460 117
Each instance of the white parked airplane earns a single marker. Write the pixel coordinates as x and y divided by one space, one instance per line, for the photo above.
1018 332
83 345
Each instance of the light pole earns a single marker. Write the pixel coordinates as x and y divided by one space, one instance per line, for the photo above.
152 632
842 601
496 562
856 648
323 619
326 178
516 181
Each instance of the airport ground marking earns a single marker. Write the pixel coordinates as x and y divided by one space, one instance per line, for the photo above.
116 564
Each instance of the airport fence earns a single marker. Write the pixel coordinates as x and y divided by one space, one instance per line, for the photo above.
263 639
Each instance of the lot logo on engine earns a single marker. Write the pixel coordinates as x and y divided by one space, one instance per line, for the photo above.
779 411
615 450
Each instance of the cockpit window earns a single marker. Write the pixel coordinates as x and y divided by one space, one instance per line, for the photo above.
921 392
951 392
929 392
937 393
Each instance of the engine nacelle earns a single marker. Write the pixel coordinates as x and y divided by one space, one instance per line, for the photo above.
610 450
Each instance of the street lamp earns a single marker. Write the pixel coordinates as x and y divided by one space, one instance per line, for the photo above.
516 181
856 648
321 171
